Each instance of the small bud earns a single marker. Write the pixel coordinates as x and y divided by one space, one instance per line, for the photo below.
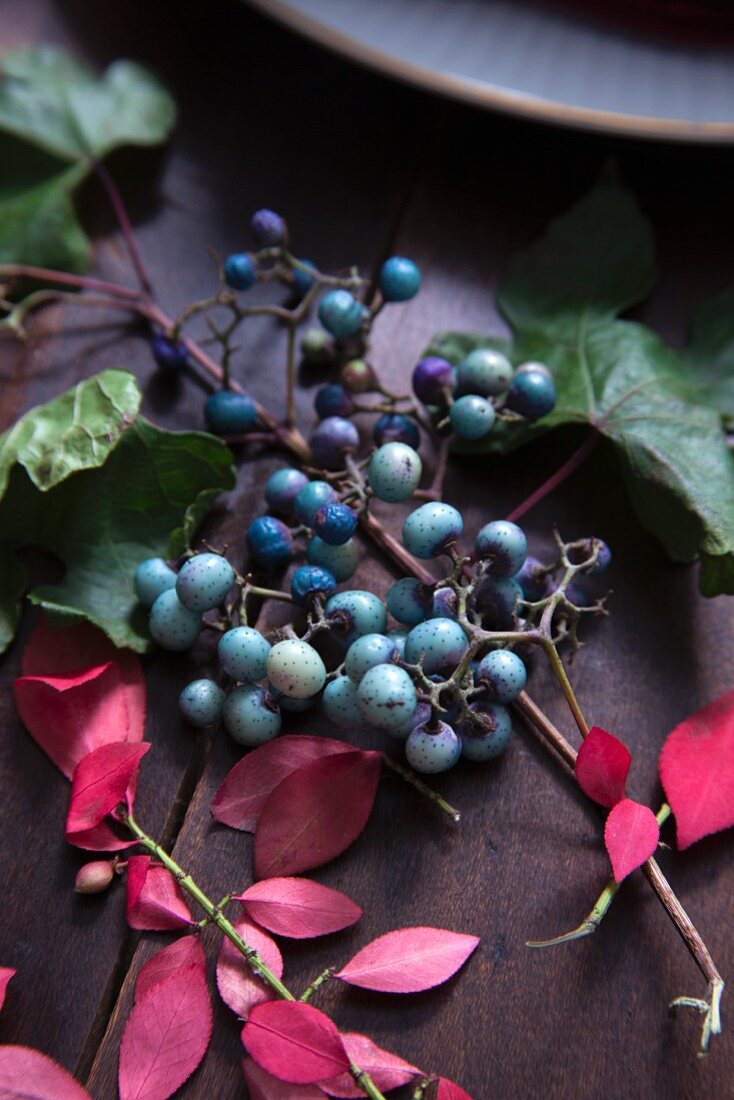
94 877
358 377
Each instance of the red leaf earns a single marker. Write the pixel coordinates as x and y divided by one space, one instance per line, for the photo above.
295 1042
317 812
155 902
447 1090
101 781
602 766
6 973
166 1036
631 835
238 986
386 1069
22 1068
183 952
263 1086
408 960
697 771
247 787
299 908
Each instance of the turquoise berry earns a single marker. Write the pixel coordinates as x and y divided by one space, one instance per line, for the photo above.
472 416
441 643
341 561
270 542
532 391
201 703
340 313
396 428
395 472
303 278
356 613
243 653
502 674
398 639
333 439
430 529
309 581
432 748
204 581
486 731
313 495
366 652
295 668
172 625
484 371
229 413
333 400
335 523
281 490
409 601
250 717
340 703
496 600
152 577
503 544
386 697
400 279
239 271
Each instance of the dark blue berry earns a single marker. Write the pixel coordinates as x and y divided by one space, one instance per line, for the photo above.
335 523
302 280
396 428
239 271
169 354
229 413
532 391
311 580
331 440
332 400
270 542
535 583
268 228
432 377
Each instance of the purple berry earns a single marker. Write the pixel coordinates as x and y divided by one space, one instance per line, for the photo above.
432 377
332 439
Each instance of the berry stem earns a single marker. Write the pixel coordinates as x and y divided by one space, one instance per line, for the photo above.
428 792
290 376
316 984
557 478
118 205
65 278
559 671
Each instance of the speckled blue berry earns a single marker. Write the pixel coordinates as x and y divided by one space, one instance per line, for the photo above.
239 271
152 577
396 428
313 495
357 613
496 600
331 440
333 400
409 601
270 542
170 355
399 279
431 750
395 472
282 488
250 717
504 546
444 604
603 560
386 697
430 529
441 643
421 714
204 581
242 653
335 523
309 581
432 378
340 703
472 416
532 392
303 280
201 703
366 652
172 625
487 736
229 413
484 371
341 561
502 674
295 668
268 228
340 313
535 583
398 639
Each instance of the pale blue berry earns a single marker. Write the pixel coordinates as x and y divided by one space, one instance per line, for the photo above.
431 529
502 674
281 489
340 703
341 561
472 416
201 703
441 643
243 653
250 717
310 498
366 652
357 613
486 731
431 749
295 668
172 625
387 697
152 577
484 371
204 581
398 638
409 601
504 545
395 472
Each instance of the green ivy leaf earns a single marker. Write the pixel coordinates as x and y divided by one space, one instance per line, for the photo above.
709 356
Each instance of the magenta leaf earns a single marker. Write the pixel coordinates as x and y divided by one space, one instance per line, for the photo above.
238 986
298 908
409 960
631 836
155 902
447 1090
100 783
247 787
6 973
697 771
263 1086
316 813
166 1036
23 1069
602 766
295 1042
386 1070
183 952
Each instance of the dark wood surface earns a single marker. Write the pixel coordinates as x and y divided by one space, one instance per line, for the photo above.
361 168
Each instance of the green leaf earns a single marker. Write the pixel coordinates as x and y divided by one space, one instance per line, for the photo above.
709 356
14 584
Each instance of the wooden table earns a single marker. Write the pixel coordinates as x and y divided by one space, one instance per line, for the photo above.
362 168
